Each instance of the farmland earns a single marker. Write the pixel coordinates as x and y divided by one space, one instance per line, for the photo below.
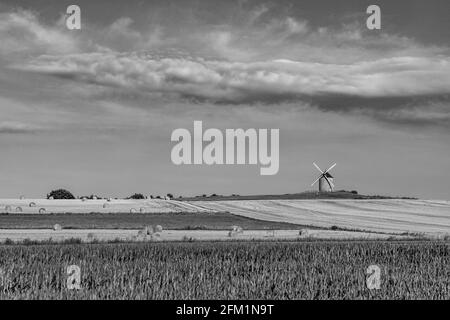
173 221
231 270
429 217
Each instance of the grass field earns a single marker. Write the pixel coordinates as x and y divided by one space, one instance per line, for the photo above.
233 270
173 221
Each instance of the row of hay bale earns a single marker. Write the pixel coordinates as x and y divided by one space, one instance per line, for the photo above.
151 232
235 230
9 209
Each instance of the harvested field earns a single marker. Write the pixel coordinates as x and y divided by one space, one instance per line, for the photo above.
32 206
429 217
42 235
392 216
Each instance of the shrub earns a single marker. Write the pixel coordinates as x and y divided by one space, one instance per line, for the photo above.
137 196
60 194
91 197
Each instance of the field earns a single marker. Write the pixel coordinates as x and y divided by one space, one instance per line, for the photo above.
231 270
428 217
173 221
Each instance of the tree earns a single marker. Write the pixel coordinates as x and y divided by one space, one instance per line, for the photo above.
60 194
137 196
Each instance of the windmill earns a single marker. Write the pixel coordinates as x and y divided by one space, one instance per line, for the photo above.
325 179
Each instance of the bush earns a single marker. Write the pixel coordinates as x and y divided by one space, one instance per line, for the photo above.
91 197
60 194
137 196
354 192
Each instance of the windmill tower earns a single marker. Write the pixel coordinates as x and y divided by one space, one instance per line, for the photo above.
325 179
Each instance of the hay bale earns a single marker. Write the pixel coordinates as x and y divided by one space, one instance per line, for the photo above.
91 236
158 229
57 227
83 199
32 204
42 210
51 198
132 210
109 199
22 197
105 205
303 232
8 208
142 210
19 209
235 230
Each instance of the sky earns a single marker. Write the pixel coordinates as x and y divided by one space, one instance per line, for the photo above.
92 110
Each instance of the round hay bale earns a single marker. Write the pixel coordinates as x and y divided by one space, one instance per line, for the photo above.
109 199
142 210
158 228
83 199
132 210
94 198
57 227
8 208
236 229
22 197
42 210
51 198
32 204
19 209
303 232
105 205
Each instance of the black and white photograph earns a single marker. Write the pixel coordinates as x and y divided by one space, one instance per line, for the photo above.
237 153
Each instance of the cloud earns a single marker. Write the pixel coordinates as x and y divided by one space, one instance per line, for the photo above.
264 59
22 35
17 128
242 82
